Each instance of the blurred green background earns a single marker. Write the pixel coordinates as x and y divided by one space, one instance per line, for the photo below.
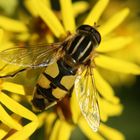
129 122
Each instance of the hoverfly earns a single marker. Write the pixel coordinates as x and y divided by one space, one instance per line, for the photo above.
71 59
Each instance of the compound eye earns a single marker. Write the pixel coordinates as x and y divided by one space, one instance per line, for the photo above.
97 36
91 30
84 28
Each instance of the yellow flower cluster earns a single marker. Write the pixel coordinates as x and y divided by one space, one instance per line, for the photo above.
11 127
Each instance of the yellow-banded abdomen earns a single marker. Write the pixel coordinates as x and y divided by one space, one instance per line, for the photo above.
53 84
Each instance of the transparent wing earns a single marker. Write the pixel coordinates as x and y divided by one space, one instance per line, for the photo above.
34 56
87 97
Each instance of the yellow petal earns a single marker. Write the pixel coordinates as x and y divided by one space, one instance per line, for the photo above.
16 107
12 25
111 133
96 12
109 109
54 133
4 129
49 18
7 69
104 88
41 118
48 3
75 109
50 118
30 5
8 120
103 116
113 22
114 44
117 65
6 45
88 131
25 132
67 15
13 87
2 133
23 37
1 35
49 38
80 7
65 131
61 130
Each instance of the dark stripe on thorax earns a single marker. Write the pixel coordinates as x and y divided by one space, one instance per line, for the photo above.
81 47
73 44
87 53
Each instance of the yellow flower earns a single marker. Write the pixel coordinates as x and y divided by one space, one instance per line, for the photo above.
57 125
131 50
12 122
